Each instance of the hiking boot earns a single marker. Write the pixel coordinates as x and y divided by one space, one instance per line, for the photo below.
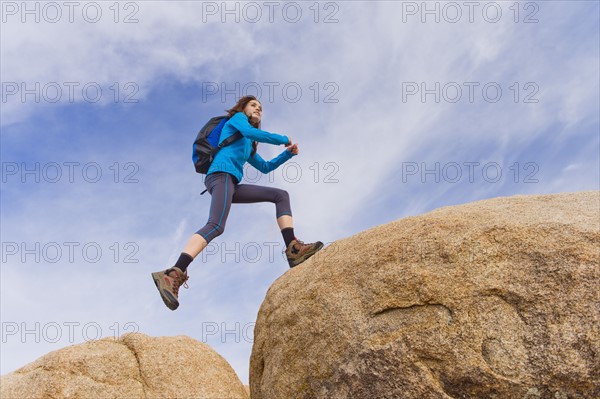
168 283
297 252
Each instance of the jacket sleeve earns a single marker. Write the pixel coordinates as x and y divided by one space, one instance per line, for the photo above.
240 122
267 166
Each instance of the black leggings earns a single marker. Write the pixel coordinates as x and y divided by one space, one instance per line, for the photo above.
225 190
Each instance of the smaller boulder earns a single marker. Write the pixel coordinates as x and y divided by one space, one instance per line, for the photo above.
132 366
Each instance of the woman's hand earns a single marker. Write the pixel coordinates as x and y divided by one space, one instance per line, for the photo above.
293 149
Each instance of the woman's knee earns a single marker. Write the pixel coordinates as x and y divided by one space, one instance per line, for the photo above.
211 231
282 196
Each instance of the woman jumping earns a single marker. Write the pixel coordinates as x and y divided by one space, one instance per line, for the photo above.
222 182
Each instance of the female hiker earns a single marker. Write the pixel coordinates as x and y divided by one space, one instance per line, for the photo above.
223 183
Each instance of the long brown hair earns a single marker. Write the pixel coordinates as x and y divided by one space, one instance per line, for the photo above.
239 107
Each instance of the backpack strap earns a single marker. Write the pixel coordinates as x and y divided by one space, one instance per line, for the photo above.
230 139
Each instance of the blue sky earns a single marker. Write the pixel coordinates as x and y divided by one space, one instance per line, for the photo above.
366 144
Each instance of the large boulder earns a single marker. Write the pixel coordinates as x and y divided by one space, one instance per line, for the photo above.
492 299
133 366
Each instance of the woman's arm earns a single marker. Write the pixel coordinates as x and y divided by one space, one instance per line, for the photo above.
240 122
267 166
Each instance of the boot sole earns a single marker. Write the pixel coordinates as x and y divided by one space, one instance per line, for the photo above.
305 256
166 296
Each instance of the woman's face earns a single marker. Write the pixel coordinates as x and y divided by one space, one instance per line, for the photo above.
253 110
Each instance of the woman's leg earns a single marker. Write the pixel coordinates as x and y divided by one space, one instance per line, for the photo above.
250 193
221 188
296 251
195 245
285 222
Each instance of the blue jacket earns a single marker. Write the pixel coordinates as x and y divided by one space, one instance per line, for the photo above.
231 158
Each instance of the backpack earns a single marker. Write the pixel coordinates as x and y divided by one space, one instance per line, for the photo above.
207 144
